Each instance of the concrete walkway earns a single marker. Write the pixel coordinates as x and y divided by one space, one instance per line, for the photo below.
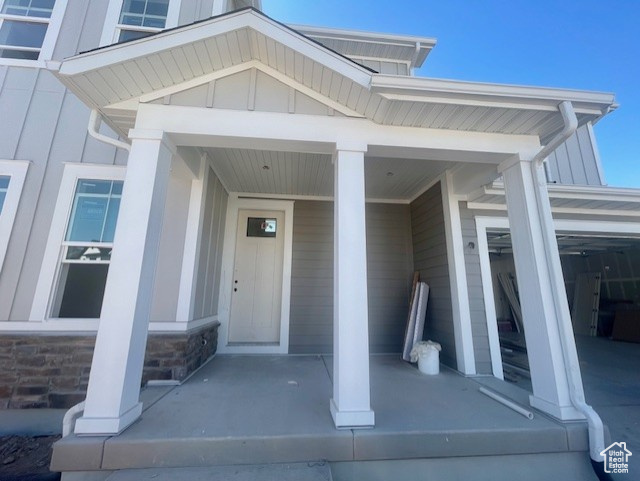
611 378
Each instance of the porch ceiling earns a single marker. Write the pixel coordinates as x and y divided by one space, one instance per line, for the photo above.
309 174
117 78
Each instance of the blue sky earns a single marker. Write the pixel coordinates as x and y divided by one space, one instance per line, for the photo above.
586 44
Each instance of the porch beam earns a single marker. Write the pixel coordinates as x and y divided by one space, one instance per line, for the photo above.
537 262
112 402
311 133
350 406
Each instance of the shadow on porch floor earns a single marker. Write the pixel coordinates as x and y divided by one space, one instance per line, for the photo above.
275 409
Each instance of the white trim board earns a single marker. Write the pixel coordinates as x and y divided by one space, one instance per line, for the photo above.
484 223
226 282
17 171
90 326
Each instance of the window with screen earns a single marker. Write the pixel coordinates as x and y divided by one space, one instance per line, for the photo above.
86 249
139 18
23 27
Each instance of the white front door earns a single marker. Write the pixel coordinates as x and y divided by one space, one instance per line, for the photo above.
256 297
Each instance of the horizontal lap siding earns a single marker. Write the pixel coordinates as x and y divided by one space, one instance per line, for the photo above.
388 266
476 296
430 259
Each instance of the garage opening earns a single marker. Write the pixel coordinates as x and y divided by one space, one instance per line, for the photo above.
602 280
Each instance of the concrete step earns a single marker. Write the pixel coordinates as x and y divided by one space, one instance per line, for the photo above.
523 467
266 472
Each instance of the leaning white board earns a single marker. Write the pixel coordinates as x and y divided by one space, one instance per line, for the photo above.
423 298
415 326
411 324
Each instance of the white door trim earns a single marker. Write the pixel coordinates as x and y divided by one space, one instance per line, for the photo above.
561 225
234 205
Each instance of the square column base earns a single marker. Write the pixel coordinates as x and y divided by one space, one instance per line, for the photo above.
562 413
97 426
351 419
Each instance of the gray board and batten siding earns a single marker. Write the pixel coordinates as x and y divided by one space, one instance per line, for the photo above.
389 267
210 255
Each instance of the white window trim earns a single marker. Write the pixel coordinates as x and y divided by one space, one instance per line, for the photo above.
50 38
110 30
17 170
46 287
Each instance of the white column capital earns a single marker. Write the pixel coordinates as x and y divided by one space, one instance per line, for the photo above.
351 145
153 134
510 162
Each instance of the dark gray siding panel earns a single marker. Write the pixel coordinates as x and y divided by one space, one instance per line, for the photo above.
476 297
430 259
389 271
311 316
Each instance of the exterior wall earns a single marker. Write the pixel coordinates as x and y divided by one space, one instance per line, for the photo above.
40 109
210 258
53 371
389 264
430 259
474 287
577 160
167 280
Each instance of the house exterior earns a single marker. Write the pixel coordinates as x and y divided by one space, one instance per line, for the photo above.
185 177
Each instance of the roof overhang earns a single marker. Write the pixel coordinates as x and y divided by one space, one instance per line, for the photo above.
117 78
356 44
568 199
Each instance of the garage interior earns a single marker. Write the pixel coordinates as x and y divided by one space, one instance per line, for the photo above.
602 279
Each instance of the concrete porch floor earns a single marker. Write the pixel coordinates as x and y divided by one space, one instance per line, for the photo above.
275 409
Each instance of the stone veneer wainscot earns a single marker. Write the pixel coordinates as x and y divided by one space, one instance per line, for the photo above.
52 371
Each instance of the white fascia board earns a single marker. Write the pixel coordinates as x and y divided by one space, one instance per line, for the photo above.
182 36
363 36
410 42
568 191
400 87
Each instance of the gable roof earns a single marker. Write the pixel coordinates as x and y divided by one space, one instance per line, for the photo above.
114 78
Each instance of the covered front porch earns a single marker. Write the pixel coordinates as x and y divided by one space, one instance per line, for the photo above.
269 132
252 410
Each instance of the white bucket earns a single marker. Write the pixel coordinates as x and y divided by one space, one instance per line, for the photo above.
429 362
428 356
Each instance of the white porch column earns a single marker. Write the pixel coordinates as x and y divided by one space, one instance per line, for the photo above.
350 405
538 269
112 402
462 331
